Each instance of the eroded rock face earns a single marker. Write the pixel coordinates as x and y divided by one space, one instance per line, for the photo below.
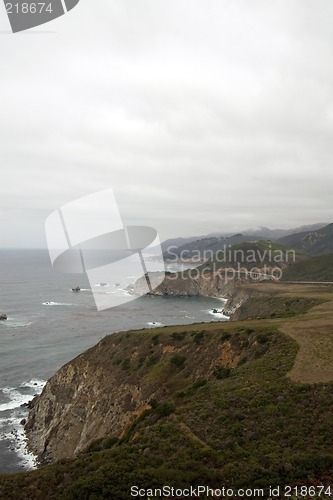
236 298
82 402
101 392
183 284
209 285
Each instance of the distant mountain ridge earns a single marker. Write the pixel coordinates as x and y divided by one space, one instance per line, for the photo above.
205 247
243 236
274 234
266 233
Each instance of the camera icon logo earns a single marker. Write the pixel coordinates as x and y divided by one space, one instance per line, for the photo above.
88 236
26 14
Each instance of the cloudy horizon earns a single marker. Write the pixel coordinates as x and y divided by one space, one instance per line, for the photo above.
202 116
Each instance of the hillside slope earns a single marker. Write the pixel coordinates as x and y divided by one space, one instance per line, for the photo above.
256 255
317 242
319 268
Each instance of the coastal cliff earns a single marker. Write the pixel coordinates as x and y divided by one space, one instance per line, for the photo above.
209 284
104 390
186 284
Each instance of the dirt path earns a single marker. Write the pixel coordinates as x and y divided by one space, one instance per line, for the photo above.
314 335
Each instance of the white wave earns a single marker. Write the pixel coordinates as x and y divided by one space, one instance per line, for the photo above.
36 384
16 398
13 431
56 304
117 292
12 323
221 299
218 314
154 323
17 441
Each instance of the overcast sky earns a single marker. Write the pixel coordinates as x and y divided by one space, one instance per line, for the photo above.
203 116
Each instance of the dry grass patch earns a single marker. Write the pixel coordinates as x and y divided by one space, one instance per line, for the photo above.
314 335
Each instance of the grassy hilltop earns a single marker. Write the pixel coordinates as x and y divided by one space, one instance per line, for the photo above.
241 404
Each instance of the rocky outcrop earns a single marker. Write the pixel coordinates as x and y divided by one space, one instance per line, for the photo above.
236 298
85 400
3 316
188 284
235 290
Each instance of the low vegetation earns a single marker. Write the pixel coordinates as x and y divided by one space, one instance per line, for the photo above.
319 268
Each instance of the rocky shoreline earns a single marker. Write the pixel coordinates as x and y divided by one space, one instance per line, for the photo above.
208 285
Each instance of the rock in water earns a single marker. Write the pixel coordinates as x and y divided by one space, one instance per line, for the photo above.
3 316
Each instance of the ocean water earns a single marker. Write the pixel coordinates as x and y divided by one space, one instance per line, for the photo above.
48 325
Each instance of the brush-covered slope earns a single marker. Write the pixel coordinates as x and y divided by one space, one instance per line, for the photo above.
319 268
256 254
206 247
317 242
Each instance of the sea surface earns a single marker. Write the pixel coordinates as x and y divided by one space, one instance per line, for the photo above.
48 325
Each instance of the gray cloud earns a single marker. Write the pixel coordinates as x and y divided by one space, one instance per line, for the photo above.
202 115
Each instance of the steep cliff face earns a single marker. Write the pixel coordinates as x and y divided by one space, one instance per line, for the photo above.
184 284
101 392
237 297
208 284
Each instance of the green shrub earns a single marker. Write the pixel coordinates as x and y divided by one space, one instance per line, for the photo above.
125 364
199 383
262 338
242 361
153 403
152 360
178 335
221 372
178 360
155 339
198 336
225 336
165 409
